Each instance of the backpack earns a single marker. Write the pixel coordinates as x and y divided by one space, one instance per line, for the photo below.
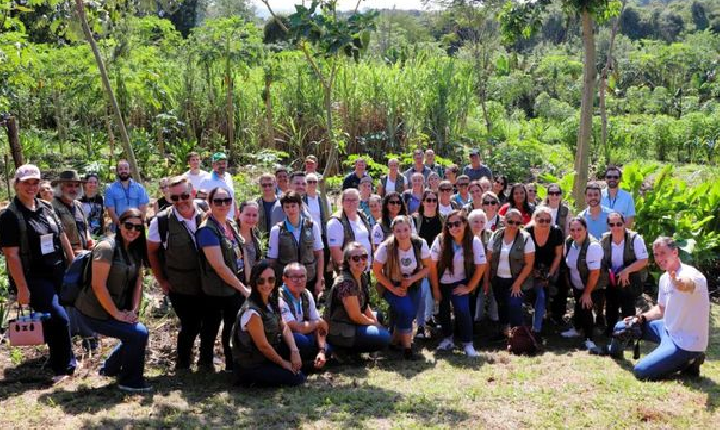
78 276
521 341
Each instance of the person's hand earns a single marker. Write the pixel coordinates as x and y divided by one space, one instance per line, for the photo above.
460 290
406 283
586 301
684 284
321 327
438 295
486 288
164 286
287 366
126 316
23 296
90 243
245 291
320 360
296 360
516 290
399 291
624 277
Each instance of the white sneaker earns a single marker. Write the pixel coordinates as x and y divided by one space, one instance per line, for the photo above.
590 345
470 350
570 333
446 344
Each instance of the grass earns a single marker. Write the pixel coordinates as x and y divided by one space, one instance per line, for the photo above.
563 387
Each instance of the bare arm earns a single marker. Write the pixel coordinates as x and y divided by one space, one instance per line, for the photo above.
337 255
113 216
14 265
352 307
475 280
67 248
142 208
380 277
138 293
153 250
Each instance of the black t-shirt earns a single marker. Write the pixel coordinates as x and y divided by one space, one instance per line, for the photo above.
430 228
163 203
544 255
351 181
38 222
93 208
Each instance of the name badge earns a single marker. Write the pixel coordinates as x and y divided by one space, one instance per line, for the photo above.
46 244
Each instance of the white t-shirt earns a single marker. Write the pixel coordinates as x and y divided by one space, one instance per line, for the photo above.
594 258
245 318
313 207
490 224
275 231
687 315
389 185
378 236
553 215
154 232
287 314
444 210
616 257
458 266
408 263
210 182
336 235
196 180
504 261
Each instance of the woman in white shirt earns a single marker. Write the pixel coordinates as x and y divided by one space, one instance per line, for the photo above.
458 263
392 206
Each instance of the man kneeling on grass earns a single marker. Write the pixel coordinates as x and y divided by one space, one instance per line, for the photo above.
302 317
680 322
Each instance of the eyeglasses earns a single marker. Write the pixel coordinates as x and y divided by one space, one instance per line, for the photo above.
227 201
554 193
452 224
266 185
359 258
269 280
517 223
394 202
543 220
489 202
175 197
431 200
615 224
129 225
297 278
445 190
575 230
612 177
350 200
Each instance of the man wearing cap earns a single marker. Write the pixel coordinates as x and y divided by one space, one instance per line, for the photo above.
417 167
352 180
70 211
124 194
220 178
476 170
37 252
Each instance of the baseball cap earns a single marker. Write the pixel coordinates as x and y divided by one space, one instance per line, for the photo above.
474 151
219 156
27 171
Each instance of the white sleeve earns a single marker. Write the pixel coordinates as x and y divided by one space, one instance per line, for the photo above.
424 250
663 290
317 238
287 315
153 231
594 256
312 309
435 249
381 254
273 242
377 235
529 246
478 251
641 251
335 234
245 318
490 242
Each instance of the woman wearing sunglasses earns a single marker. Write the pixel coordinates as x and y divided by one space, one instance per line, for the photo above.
490 204
400 263
446 204
428 224
499 187
519 200
548 241
352 324
511 253
263 346
111 306
392 206
222 266
584 255
247 228
458 263
559 211
625 254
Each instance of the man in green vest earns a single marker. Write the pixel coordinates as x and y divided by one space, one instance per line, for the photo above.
301 315
70 211
174 260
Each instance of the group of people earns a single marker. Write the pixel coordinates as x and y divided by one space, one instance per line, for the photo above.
289 279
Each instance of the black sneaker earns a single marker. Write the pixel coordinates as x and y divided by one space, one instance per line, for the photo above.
600 322
136 389
498 337
411 354
693 369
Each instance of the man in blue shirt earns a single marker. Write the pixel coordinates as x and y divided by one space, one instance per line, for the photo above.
352 180
616 199
124 194
595 214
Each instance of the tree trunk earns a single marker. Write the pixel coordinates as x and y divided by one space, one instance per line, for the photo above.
603 83
332 158
108 89
586 111
229 110
269 130
14 140
57 110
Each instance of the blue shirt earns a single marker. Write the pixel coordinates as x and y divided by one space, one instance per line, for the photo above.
121 199
596 227
622 203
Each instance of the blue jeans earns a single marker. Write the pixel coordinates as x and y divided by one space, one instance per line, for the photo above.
404 309
509 308
369 338
461 307
425 307
44 298
666 359
308 345
127 360
539 307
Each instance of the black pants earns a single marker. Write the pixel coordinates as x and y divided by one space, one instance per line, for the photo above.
618 298
218 309
558 304
583 318
189 310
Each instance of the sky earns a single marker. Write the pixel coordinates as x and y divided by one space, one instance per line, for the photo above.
349 4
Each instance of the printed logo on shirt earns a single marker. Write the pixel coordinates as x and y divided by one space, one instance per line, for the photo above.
406 261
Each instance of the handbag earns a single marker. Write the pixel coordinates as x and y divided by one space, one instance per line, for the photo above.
27 330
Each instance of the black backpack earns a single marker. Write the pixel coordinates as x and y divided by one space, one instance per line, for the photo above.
78 276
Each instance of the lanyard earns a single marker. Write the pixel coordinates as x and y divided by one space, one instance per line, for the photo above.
291 229
297 304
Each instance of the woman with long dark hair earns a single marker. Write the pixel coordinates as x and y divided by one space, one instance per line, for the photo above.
499 187
428 224
247 228
111 307
264 349
519 200
392 206
458 265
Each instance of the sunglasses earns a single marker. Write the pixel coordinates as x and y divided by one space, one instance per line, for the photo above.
267 185
575 230
223 201
489 202
269 280
445 190
612 177
615 224
452 224
431 200
542 220
312 182
554 193
297 278
359 258
129 225
175 197
518 223
394 202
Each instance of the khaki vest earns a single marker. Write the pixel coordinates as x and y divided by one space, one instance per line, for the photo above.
348 234
212 284
637 279
246 354
290 251
78 239
582 263
182 261
341 329
399 183
516 257
262 222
